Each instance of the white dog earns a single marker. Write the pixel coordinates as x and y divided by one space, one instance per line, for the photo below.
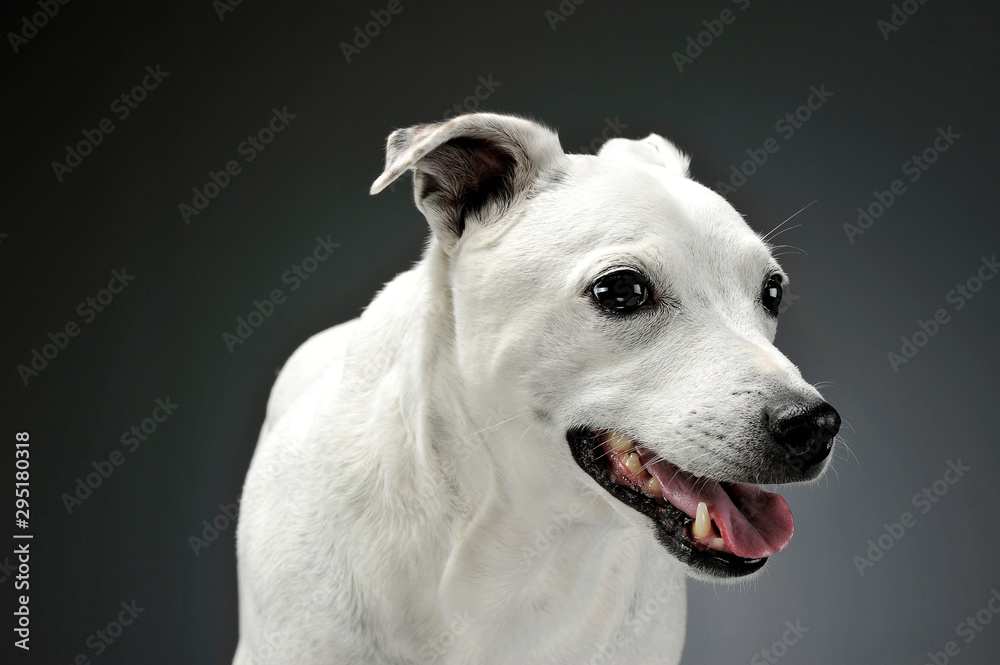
519 450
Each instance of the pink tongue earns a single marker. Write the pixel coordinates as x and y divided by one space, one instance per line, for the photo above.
759 527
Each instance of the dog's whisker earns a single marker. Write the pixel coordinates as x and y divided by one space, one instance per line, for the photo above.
653 460
844 422
603 454
697 457
520 438
771 233
847 447
837 475
787 228
659 458
795 247
603 536
468 437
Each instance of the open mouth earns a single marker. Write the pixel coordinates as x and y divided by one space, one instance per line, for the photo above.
723 529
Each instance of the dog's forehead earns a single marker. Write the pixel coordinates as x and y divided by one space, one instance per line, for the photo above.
608 204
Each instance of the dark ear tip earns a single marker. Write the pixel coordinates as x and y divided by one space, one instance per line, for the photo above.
402 151
473 164
398 140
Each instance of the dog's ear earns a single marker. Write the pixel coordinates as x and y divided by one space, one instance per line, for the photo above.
654 149
470 168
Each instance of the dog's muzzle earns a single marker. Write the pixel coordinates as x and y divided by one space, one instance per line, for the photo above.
721 528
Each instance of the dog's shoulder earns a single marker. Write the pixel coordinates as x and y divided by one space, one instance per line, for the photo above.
357 351
316 356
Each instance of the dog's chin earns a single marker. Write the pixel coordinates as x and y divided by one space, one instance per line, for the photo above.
752 524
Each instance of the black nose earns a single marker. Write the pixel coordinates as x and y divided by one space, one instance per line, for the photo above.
806 433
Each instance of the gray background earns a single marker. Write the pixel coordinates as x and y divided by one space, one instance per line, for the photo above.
606 63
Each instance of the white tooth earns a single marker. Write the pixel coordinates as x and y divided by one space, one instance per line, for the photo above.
653 487
718 543
620 443
697 475
702 521
632 462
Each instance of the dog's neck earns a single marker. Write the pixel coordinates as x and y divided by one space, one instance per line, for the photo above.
532 548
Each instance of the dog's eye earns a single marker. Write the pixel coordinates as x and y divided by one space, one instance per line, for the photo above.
621 292
770 297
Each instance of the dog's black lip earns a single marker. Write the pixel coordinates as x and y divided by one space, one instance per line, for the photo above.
671 523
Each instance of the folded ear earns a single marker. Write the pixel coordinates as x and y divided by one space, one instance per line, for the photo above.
470 168
654 149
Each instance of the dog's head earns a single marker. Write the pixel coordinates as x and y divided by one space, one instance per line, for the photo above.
632 312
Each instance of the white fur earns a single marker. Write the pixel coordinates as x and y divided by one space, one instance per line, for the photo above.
413 499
